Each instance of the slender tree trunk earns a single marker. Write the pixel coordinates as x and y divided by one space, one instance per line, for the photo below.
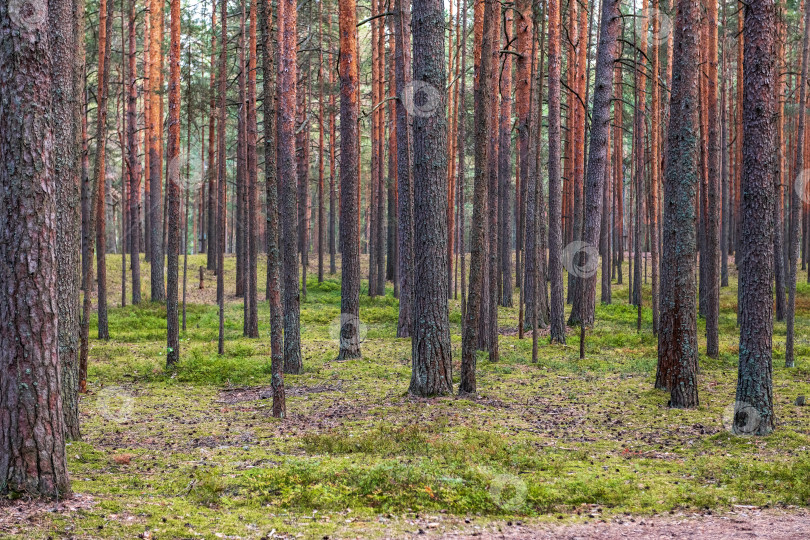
505 167
349 183
252 222
598 156
677 340
285 170
655 165
404 190
273 250
555 275
713 208
133 159
797 194
173 188
156 152
332 168
778 216
482 100
222 174
212 250
321 167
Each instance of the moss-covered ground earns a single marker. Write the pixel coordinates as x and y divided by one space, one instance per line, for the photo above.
196 453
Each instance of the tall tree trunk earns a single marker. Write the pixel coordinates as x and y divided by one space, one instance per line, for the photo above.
505 167
618 174
66 40
482 101
222 174
273 250
321 167
211 226
598 156
555 275
349 183
133 159
523 70
173 188
753 410
713 208
100 169
32 444
655 164
156 151
240 214
252 247
431 350
797 194
677 340
402 59
285 170
332 167
778 216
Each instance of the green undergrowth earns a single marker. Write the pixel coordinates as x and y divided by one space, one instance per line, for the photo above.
195 452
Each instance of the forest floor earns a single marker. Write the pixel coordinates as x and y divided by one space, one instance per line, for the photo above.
565 448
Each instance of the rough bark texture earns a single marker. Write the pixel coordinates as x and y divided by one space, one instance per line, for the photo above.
713 207
252 247
100 169
349 183
796 201
273 251
677 340
598 154
156 153
67 45
173 191
505 167
222 175
483 97
555 275
133 158
755 259
404 190
32 444
431 351
286 178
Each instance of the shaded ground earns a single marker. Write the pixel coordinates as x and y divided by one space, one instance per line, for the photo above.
543 447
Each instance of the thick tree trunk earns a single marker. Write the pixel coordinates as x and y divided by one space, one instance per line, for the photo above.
753 411
349 183
431 350
677 340
32 427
